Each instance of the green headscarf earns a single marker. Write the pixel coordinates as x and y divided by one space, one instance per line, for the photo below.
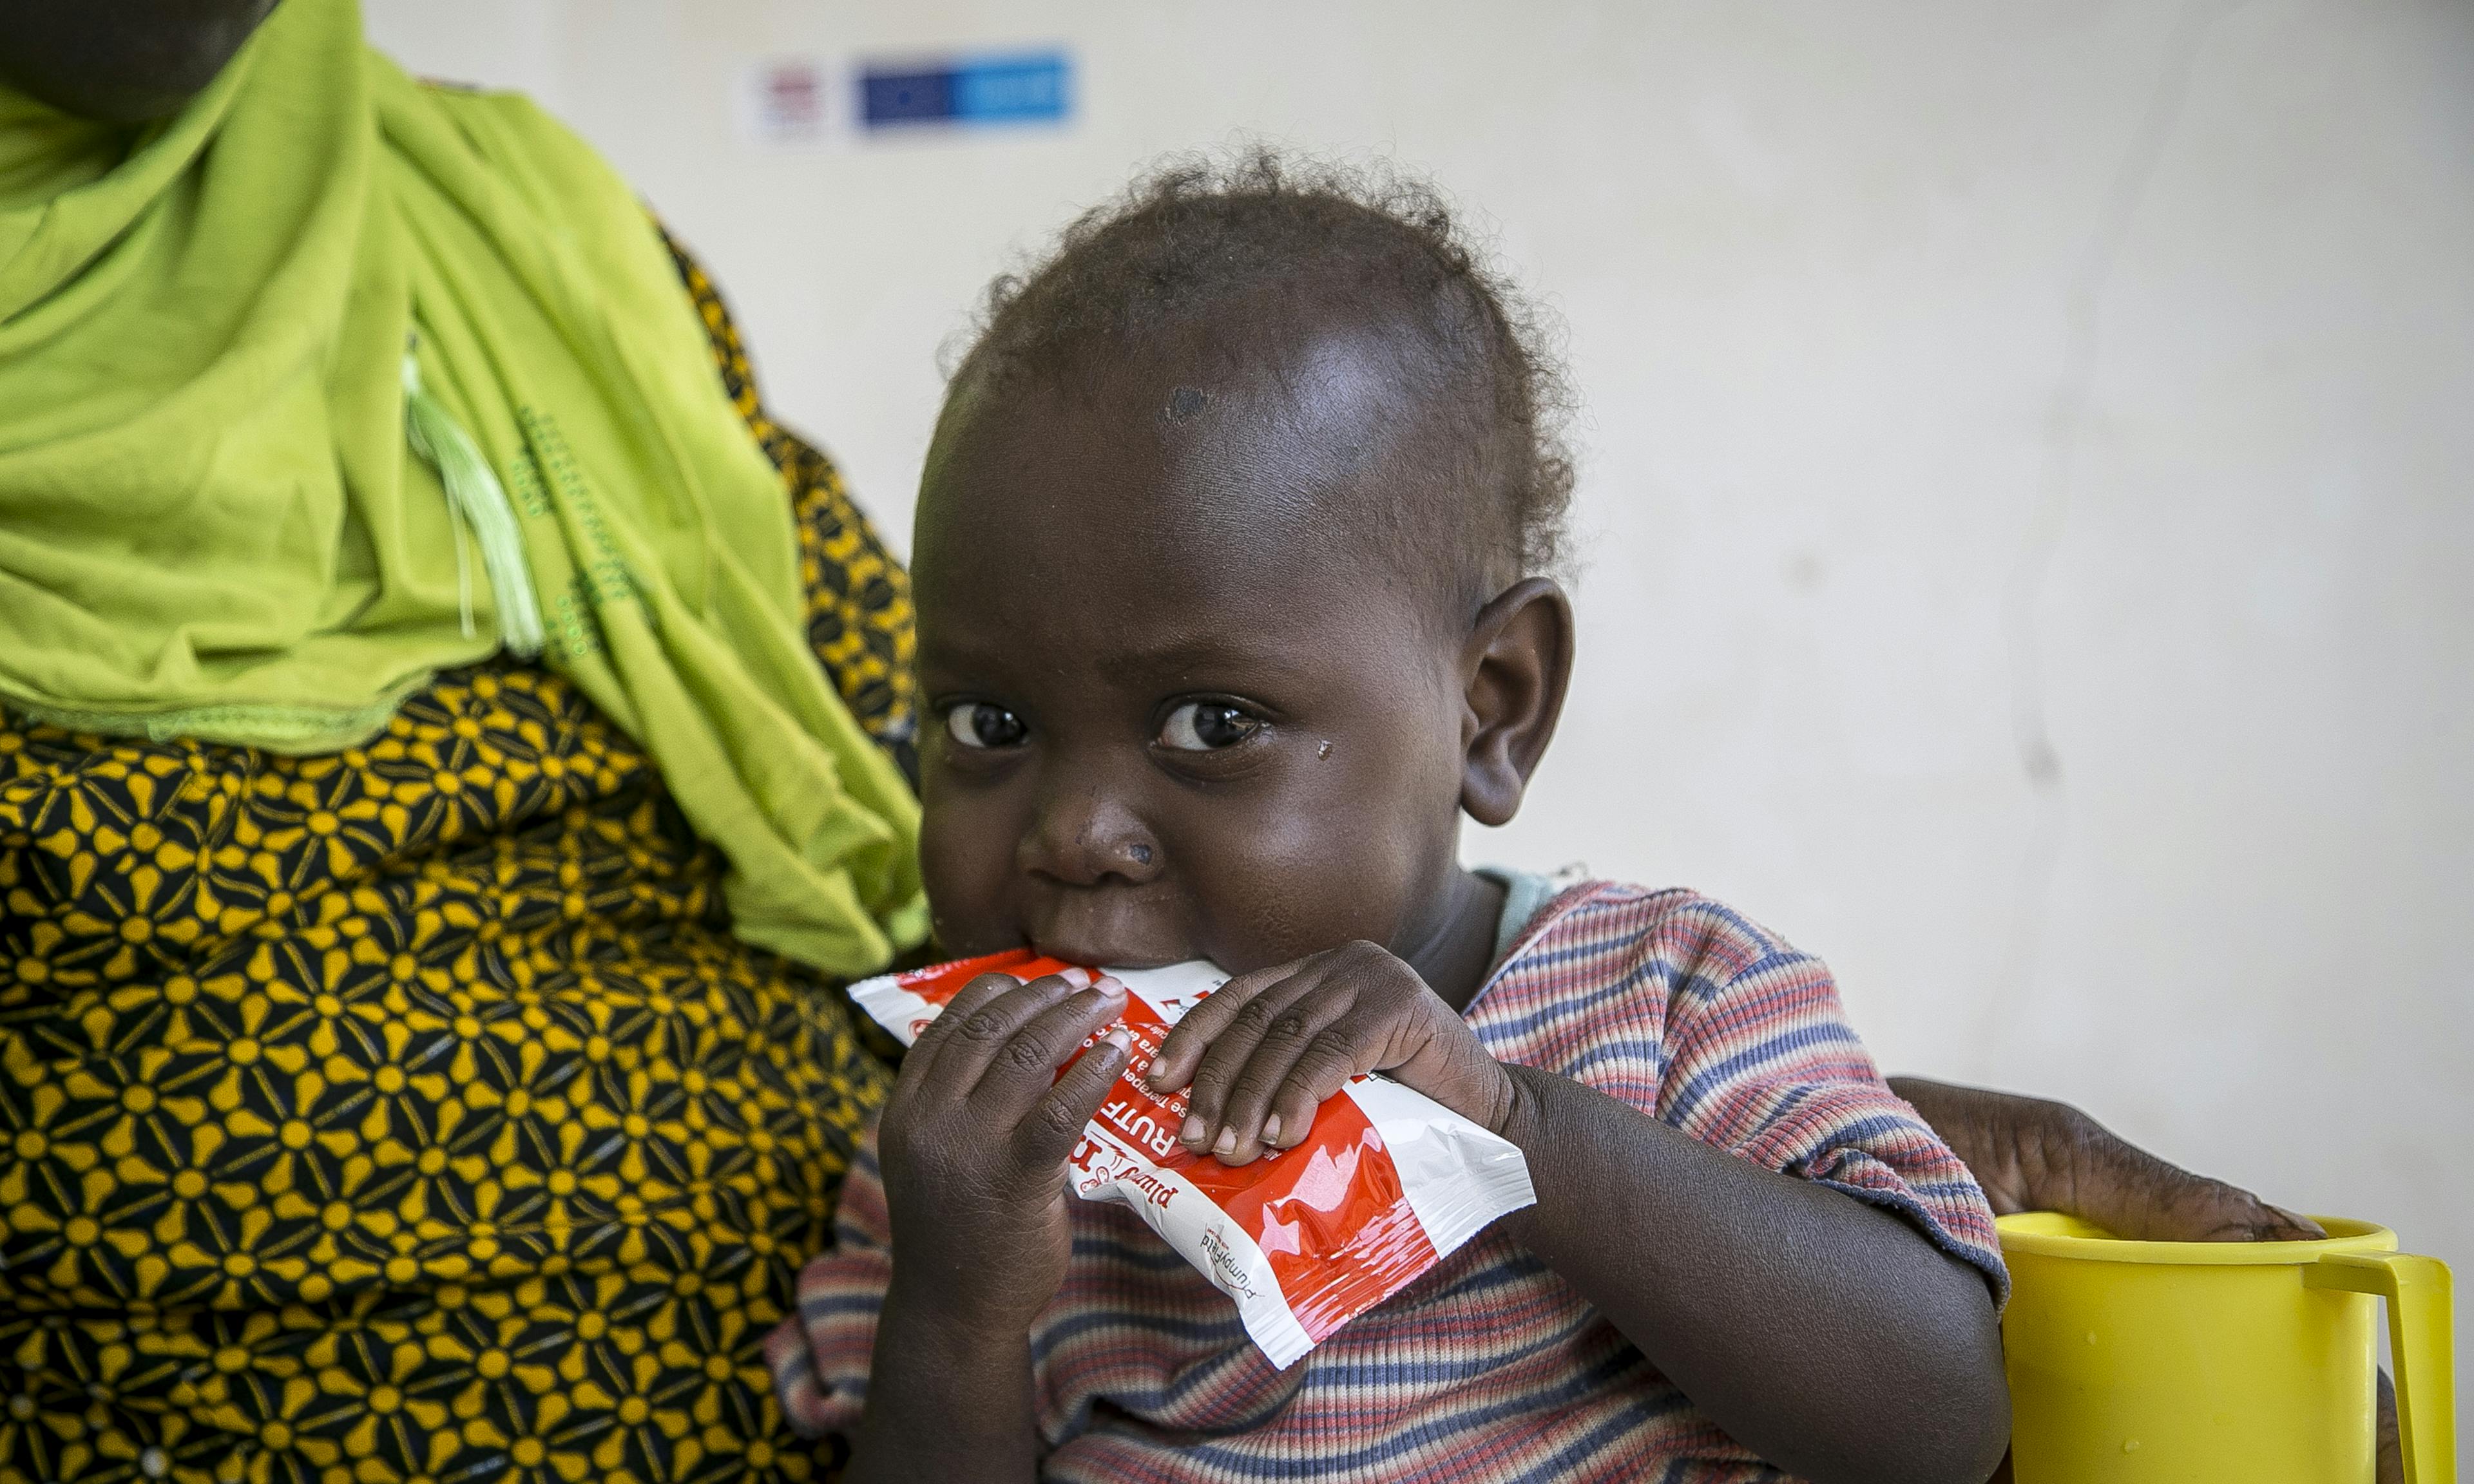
212 524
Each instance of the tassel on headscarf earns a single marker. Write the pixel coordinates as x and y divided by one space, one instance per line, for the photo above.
476 498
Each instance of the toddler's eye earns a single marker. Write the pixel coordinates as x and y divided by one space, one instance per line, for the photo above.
1206 725
976 723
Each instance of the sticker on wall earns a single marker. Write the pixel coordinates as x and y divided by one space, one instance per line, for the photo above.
782 102
1017 87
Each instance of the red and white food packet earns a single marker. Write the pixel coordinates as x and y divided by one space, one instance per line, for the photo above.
1386 1184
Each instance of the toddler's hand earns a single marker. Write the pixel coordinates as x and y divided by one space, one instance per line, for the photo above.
975 1138
1265 1050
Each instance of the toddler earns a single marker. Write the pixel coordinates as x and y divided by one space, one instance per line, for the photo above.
1234 567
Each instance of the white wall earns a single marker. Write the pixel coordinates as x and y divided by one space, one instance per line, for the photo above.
1964 380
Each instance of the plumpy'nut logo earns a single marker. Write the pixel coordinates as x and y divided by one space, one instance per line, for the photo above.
1225 1269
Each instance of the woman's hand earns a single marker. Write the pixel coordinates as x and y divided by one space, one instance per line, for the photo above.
1266 1049
2029 1154
975 1138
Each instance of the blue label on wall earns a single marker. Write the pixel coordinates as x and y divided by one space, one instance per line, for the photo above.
1027 87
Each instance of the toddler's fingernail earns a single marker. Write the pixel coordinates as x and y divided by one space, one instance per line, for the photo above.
1117 1038
1080 978
1110 984
1192 1132
1227 1141
1272 1128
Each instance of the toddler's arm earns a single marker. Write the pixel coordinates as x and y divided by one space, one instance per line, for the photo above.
973 1145
1821 1332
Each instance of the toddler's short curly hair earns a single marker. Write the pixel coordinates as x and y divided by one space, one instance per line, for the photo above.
1197 237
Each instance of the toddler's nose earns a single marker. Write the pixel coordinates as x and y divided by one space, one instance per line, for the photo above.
1083 837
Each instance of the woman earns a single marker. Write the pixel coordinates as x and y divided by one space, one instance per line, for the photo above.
440 775
397 1083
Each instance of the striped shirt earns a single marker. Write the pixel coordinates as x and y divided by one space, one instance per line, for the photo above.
1490 1365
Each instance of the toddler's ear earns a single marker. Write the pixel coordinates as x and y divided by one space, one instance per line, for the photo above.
1515 670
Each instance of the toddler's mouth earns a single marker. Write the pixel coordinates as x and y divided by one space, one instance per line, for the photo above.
1101 955
1109 927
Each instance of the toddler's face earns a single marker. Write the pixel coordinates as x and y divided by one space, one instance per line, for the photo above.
1169 712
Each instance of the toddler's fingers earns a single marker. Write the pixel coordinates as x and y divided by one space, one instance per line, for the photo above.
1181 1050
1225 1063
1296 1038
1028 1064
1048 1134
1312 1082
974 997
968 1035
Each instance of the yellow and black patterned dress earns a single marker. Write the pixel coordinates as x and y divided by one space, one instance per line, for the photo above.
410 1113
